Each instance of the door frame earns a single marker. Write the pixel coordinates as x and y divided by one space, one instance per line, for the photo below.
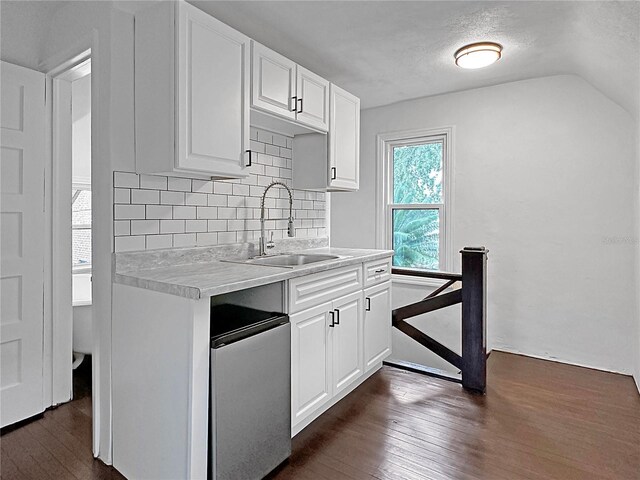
58 343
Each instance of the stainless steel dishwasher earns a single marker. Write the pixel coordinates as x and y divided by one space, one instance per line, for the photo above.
250 429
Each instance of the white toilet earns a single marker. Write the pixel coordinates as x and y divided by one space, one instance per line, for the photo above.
82 322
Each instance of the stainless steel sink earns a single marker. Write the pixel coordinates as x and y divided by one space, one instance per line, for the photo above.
291 259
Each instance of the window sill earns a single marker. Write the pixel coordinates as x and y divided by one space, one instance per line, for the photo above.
418 281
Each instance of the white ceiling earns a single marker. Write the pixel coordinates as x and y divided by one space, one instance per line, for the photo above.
388 51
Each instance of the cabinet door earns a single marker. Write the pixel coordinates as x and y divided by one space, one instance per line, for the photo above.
273 80
313 99
212 95
346 340
344 140
377 324
310 361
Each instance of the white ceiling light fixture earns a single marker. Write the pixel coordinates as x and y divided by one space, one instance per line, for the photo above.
478 55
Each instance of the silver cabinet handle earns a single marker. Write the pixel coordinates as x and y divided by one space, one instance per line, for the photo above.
381 270
332 313
300 102
295 104
368 307
337 316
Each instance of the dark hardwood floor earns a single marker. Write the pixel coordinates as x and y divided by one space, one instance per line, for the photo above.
539 420
57 446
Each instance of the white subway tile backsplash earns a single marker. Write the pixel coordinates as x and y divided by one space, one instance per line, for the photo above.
199 199
159 241
121 195
265 136
121 227
226 213
207 212
156 211
272 150
180 212
235 201
145 197
216 225
222 187
144 227
128 212
184 240
235 225
285 152
201 186
203 239
196 225
257 147
279 140
154 182
226 237
159 212
125 179
215 200
179 184
240 189
128 244
172 226
172 198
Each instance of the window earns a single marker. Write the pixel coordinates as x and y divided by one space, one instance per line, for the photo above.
81 226
415 201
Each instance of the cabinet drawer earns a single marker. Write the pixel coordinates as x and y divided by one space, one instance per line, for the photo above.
311 290
377 271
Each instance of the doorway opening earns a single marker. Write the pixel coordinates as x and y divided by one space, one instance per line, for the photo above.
81 220
72 310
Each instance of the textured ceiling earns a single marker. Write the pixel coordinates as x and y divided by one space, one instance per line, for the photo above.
388 51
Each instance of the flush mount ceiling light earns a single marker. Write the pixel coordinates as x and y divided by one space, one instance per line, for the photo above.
478 55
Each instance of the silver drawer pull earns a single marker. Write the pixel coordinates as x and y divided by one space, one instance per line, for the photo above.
381 270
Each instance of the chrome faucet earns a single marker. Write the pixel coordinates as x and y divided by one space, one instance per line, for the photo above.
290 231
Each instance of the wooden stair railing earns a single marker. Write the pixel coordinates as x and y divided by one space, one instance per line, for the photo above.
473 296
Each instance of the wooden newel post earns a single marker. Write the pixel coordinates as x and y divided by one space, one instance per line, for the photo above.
474 318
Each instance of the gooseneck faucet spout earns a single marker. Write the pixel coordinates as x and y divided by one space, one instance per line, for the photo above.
290 230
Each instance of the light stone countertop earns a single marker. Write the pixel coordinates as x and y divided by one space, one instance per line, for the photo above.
215 277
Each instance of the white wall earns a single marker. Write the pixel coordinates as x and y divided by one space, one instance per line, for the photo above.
637 242
41 38
81 129
545 178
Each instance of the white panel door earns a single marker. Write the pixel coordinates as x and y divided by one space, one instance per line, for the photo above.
347 341
22 160
377 324
310 361
344 140
273 80
312 99
213 95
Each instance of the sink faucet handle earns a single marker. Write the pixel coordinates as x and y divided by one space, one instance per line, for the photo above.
270 244
290 229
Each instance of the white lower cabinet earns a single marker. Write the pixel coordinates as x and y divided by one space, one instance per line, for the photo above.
377 324
338 343
310 361
326 353
346 340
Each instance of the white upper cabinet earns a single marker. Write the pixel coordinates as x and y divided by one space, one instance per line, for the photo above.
273 82
312 99
289 91
191 93
344 140
331 162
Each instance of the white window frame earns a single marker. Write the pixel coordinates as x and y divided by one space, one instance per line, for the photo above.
86 267
384 195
